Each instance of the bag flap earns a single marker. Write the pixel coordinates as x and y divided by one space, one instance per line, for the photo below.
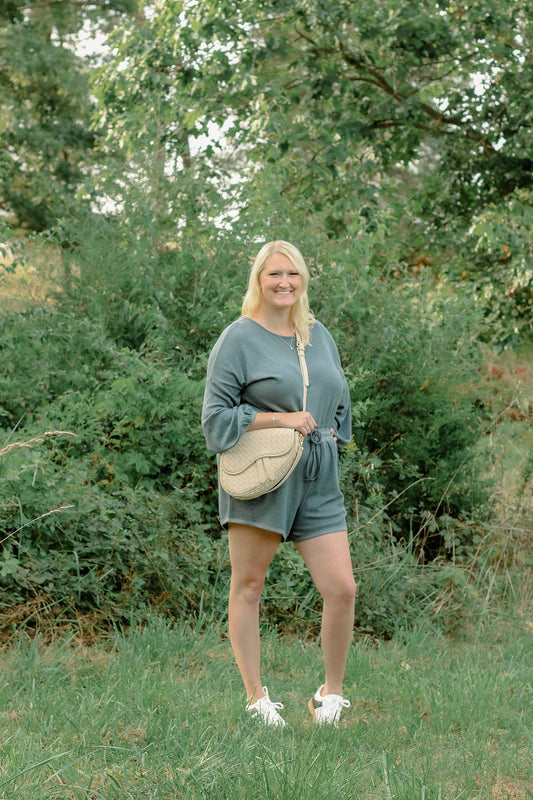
254 445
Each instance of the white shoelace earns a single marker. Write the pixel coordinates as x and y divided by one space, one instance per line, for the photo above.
267 710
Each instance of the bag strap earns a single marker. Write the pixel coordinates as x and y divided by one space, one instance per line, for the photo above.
303 366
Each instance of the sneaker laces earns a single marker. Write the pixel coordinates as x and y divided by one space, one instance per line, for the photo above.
327 708
266 710
335 703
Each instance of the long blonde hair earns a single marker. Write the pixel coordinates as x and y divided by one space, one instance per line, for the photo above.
301 317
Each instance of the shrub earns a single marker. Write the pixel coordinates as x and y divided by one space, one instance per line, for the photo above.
120 359
45 352
411 360
500 269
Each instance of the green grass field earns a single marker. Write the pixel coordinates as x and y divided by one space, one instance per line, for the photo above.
157 712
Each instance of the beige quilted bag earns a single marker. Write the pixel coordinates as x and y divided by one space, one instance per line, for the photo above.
262 460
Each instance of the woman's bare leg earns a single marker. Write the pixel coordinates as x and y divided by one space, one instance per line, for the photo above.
251 551
329 562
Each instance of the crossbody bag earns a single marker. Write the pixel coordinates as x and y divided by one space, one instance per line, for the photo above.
262 460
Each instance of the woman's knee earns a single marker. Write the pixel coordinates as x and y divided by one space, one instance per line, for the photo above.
247 588
341 591
349 590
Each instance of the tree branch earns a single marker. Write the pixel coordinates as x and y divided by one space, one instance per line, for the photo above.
400 97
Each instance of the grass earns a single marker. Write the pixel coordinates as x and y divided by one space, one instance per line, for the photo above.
157 712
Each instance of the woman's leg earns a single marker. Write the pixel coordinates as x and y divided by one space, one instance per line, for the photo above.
329 562
251 550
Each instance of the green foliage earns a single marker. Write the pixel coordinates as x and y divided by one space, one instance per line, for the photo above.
45 353
395 591
335 109
124 513
320 85
149 291
139 520
47 142
410 353
353 130
422 109
417 420
502 268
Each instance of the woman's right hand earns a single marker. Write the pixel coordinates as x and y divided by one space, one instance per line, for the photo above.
301 421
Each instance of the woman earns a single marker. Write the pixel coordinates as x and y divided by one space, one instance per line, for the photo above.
254 381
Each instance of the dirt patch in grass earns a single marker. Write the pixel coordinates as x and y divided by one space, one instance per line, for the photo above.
506 789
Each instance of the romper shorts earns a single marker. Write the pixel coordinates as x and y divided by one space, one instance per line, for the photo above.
309 503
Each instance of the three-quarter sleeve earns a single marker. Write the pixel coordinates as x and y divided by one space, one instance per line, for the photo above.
343 419
224 416
343 413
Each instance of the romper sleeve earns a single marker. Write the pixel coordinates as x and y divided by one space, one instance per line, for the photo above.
224 417
343 419
343 414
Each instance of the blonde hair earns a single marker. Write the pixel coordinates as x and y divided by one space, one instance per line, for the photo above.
301 317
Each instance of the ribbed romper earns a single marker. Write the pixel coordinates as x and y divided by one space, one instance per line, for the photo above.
251 369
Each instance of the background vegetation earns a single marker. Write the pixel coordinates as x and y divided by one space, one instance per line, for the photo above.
391 142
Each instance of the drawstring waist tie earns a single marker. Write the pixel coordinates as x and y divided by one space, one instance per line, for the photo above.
315 439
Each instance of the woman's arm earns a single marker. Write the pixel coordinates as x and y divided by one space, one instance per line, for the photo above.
224 416
343 418
301 421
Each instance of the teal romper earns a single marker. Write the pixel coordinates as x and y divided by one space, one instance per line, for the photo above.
251 369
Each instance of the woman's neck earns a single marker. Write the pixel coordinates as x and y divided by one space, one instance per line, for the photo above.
280 323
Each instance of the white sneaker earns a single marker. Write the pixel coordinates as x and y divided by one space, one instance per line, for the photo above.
327 708
266 711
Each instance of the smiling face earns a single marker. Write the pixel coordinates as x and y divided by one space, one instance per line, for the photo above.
280 282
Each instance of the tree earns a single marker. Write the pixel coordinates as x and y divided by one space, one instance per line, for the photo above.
337 112
46 139
319 84
425 105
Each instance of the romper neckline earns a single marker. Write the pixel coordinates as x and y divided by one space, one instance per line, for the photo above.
272 333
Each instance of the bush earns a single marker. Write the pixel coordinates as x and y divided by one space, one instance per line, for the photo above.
45 352
411 361
500 269
120 359
140 487
109 547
